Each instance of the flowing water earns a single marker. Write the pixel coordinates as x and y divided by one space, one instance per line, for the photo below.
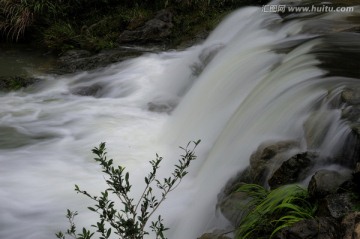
256 78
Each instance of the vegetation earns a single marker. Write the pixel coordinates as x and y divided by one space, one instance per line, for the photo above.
129 222
96 24
270 211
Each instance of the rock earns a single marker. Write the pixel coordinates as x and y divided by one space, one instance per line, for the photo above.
163 105
325 182
214 235
351 226
80 60
205 58
16 82
72 55
91 90
154 30
233 207
293 170
266 156
336 205
319 228
351 96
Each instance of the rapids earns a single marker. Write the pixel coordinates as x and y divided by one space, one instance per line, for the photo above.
257 77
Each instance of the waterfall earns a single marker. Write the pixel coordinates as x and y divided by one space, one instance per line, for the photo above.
258 77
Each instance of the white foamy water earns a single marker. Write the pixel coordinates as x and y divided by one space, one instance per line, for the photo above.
262 84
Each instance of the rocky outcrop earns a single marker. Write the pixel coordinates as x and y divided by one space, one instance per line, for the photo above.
154 30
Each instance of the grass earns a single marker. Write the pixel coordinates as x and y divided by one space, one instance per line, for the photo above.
271 211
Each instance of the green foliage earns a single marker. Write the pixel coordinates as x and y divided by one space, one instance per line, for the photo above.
271 211
131 220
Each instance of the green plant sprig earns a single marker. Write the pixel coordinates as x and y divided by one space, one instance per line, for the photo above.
131 220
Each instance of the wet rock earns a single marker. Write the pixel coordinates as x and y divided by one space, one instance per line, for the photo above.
234 207
351 96
325 182
81 60
214 235
336 205
11 83
205 58
162 107
266 156
351 226
317 228
87 90
154 30
293 170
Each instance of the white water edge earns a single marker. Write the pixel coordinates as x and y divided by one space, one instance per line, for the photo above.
248 94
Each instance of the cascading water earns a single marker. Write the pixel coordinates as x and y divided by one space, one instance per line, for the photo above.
256 78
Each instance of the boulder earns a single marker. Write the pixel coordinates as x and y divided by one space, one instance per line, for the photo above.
317 228
293 170
154 30
266 157
325 182
351 226
336 205
234 207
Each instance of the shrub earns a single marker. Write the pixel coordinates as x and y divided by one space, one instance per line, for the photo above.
131 221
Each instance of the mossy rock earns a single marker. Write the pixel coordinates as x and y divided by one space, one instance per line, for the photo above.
12 83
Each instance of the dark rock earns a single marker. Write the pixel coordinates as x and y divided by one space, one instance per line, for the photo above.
317 228
351 226
336 205
16 82
292 170
205 58
154 30
74 61
72 55
266 156
356 176
87 90
325 182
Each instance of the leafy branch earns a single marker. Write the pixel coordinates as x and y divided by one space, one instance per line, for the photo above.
131 220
